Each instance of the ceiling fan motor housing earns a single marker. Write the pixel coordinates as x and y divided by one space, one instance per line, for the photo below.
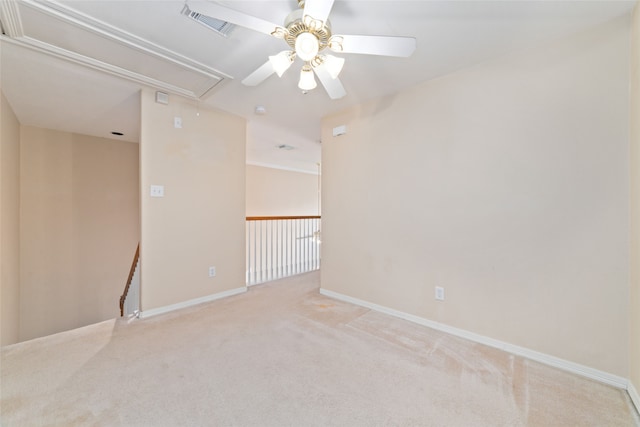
296 26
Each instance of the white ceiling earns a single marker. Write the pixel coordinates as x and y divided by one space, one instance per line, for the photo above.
78 65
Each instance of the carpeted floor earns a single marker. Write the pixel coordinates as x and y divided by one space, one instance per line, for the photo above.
283 355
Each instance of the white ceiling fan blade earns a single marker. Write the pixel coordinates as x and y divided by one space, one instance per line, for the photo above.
318 9
259 75
374 45
222 13
333 86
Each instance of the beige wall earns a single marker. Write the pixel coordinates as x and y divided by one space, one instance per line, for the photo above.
507 184
276 192
634 308
79 228
9 223
200 221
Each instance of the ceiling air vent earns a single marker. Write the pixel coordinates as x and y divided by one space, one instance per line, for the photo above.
221 27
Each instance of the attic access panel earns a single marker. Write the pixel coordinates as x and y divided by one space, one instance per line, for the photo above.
64 32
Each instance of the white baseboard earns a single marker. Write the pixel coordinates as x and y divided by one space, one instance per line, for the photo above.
166 309
633 394
556 362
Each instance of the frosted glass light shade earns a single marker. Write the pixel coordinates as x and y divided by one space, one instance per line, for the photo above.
307 46
307 80
281 62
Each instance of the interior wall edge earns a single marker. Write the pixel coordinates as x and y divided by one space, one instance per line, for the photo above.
10 223
634 156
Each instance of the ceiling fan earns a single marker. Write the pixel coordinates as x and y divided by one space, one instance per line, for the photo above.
307 31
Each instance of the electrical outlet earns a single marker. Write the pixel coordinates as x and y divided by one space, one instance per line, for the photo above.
157 191
212 272
439 293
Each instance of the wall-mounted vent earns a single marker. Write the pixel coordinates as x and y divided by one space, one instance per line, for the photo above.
221 27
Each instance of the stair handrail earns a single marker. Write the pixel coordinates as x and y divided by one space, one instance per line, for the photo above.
269 218
123 297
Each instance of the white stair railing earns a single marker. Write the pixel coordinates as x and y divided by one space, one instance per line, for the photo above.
281 246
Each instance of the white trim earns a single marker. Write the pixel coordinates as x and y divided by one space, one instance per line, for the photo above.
633 394
82 21
556 362
168 308
284 168
11 20
113 70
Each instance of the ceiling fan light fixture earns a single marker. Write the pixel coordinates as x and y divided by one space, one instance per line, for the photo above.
307 80
335 43
307 46
334 65
311 23
279 33
307 31
281 62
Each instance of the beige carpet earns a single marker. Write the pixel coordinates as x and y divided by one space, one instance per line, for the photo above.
283 355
